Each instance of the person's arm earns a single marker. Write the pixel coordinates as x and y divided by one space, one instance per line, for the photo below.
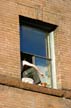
26 63
32 65
37 69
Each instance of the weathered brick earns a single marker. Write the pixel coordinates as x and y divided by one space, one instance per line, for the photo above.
55 12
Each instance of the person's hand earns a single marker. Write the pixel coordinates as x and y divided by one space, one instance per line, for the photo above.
42 74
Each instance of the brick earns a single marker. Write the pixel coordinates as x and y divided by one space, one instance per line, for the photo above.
54 12
67 94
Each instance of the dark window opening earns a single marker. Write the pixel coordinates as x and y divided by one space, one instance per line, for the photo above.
26 57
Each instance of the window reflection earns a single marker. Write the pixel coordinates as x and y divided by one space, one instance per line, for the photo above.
33 41
44 66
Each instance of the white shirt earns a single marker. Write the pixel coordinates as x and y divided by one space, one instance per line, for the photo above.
28 80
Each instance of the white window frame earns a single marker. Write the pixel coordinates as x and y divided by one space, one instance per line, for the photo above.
52 56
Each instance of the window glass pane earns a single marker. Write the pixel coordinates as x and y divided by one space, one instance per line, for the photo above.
44 66
32 41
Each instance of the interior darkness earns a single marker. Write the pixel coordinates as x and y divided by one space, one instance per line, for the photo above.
26 57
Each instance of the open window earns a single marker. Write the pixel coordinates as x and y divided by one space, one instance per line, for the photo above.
35 45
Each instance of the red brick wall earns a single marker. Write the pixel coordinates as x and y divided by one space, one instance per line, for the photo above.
9 39
17 98
55 12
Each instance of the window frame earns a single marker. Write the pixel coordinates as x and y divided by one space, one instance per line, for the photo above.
42 26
